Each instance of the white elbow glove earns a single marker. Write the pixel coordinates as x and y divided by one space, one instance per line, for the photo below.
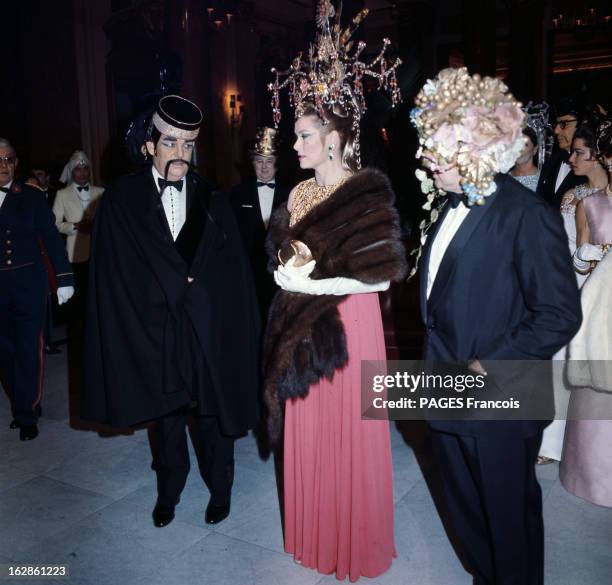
589 252
292 279
64 294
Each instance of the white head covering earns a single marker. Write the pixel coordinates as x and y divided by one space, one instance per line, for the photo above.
78 159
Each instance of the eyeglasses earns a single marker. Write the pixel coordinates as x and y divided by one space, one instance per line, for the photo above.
563 124
8 160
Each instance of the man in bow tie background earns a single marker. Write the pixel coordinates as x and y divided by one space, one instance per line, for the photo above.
74 209
557 176
253 203
172 321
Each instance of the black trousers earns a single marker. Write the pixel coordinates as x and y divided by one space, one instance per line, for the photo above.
215 453
23 300
495 503
78 303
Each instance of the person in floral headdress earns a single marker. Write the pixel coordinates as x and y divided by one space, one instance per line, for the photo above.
496 284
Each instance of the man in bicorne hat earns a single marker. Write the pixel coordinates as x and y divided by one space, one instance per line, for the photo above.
172 318
253 203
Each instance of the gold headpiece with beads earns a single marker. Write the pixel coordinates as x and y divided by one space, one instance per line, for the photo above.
331 78
473 122
266 142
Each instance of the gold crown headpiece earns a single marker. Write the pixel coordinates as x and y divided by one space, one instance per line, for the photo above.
332 76
266 142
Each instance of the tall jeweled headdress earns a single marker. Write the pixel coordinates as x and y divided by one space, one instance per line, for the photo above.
332 76
538 121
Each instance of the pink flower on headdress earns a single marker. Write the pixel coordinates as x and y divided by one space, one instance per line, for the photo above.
511 119
482 127
446 139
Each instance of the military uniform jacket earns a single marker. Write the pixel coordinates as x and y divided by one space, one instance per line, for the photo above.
169 323
25 222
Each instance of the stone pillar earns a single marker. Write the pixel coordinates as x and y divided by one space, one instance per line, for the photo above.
91 49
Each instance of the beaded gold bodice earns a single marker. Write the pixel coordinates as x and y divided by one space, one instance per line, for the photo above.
308 195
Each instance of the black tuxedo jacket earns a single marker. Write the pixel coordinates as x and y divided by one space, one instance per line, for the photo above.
169 321
245 203
505 290
548 180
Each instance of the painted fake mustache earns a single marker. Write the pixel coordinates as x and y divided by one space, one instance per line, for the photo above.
175 160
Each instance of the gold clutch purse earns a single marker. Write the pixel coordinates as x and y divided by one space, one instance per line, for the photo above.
300 250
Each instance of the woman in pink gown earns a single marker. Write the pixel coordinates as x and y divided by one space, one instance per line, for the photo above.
338 484
334 247
586 467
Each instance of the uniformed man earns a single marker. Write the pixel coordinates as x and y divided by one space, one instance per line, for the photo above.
25 222
172 323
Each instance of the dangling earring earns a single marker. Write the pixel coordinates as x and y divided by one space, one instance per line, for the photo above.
330 155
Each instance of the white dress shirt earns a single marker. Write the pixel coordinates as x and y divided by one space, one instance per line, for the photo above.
266 198
175 205
564 170
450 225
83 195
3 194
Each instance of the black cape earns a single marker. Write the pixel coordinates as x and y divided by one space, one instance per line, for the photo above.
154 341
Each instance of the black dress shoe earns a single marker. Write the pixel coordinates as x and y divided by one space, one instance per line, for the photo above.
162 515
28 432
14 424
52 350
216 514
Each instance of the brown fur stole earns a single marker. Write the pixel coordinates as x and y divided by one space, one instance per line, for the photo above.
355 233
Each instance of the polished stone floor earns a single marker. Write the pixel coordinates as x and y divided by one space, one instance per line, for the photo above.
75 496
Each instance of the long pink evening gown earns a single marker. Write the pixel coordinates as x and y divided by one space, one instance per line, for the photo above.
338 482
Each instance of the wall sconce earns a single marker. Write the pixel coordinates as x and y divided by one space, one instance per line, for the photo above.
237 110
580 18
221 13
